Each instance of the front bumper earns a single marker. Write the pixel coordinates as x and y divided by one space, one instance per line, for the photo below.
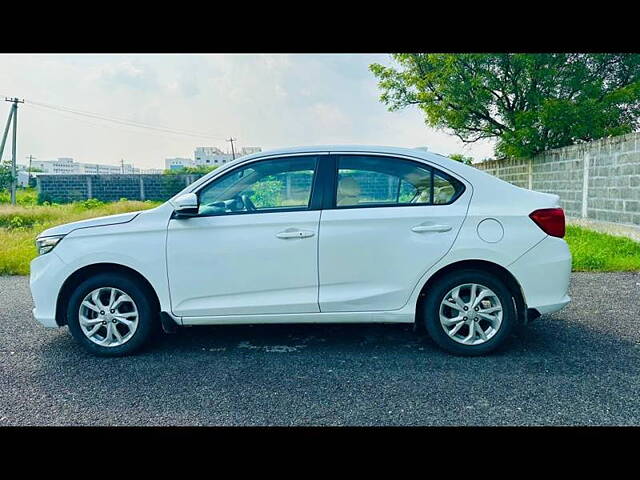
46 279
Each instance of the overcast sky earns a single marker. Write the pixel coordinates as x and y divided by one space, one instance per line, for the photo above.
262 100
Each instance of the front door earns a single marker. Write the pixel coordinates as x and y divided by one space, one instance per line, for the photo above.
253 247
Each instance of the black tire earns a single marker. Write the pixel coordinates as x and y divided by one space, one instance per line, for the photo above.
443 286
147 314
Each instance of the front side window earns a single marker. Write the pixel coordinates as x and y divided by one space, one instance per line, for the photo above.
380 181
267 185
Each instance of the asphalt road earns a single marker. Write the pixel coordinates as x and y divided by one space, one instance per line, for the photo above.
580 366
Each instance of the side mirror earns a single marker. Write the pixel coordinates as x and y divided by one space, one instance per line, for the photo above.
185 205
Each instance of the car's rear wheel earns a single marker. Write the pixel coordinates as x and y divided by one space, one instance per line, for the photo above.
469 312
111 315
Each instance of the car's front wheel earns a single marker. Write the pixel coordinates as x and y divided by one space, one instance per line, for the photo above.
469 312
110 315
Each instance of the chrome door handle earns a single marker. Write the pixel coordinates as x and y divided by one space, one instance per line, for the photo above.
295 233
431 228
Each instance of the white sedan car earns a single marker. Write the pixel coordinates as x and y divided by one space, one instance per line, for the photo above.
338 234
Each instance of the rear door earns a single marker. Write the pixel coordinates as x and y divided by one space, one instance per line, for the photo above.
389 220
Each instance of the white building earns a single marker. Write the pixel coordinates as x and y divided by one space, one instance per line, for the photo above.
67 166
207 157
213 156
63 165
210 156
177 163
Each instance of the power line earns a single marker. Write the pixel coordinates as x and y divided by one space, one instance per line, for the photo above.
115 126
118 120
115 121
121 121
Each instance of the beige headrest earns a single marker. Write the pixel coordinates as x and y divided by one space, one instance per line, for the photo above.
348 187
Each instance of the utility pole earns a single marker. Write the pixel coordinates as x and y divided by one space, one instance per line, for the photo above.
233 153
122 165
31 157
13 116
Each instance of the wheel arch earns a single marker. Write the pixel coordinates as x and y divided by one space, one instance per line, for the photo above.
87 271
501 272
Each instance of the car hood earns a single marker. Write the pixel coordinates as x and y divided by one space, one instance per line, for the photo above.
91 222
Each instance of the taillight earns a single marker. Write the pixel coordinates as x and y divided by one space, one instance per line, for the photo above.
550 220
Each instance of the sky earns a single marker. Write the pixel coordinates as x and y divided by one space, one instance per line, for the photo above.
269 101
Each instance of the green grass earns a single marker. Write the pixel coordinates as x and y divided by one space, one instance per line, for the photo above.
20 225
600 252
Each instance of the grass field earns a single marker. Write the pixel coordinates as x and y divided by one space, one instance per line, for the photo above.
20 225
592 251
600 252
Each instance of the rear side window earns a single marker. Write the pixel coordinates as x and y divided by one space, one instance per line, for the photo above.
382 181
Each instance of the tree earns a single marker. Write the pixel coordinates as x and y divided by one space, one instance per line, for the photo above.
458 157
5 175
527 102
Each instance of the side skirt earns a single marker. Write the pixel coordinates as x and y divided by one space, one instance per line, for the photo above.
399 316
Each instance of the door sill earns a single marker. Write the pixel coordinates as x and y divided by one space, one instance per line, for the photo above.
396 316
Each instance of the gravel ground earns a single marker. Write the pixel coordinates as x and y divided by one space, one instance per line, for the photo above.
580 366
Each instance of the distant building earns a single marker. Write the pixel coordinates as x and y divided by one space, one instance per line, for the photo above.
177 163
62 165
66 166
23 178
213 156
210 156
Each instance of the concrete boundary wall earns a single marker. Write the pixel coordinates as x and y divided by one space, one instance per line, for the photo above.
110 188
599 180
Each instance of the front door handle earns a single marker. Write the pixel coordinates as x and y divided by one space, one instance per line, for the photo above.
295 233
431 228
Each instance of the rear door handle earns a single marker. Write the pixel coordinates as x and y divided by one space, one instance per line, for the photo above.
295 233
431 228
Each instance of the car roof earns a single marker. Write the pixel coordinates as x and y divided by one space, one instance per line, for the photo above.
349 148
418 153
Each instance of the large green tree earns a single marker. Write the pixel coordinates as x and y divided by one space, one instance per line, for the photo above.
527 102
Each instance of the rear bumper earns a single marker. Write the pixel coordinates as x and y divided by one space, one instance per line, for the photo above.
543 309
544 273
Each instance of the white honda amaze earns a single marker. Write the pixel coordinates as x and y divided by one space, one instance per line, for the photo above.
317 235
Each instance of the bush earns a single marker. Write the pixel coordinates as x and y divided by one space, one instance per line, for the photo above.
24 196
92 203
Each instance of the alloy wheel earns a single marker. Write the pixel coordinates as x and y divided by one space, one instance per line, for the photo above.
471 314
108 317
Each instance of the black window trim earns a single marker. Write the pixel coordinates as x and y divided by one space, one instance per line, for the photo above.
314 203
331 203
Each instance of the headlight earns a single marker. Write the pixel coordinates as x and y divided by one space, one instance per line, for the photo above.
46 244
